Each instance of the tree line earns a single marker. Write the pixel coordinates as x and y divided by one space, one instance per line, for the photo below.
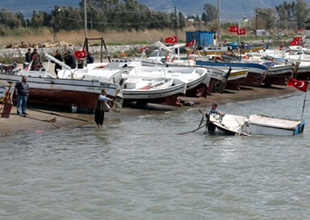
103 15
284 16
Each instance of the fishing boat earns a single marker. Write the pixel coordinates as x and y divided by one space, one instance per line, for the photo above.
159 90
256 73
196 78
53 91
255 124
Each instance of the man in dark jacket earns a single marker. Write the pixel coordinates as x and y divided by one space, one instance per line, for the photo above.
70 60
22 92
28 56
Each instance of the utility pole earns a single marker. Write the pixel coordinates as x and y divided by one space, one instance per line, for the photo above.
218 22
256 14
175 22
85 18
55 23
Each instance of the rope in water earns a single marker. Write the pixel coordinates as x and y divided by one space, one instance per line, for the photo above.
53 120
64 116
199 126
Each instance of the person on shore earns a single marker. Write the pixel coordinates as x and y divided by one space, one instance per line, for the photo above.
22 92
57 66
70 60
102 107
28 56
36 60
90 58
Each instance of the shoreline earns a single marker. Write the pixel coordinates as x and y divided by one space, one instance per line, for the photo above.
42 121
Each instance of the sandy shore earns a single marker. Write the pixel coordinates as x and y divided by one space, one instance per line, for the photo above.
39 120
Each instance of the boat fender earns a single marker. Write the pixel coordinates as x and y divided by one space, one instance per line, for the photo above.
167 56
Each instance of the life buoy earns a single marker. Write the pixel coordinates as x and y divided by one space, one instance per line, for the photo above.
217 58
245 57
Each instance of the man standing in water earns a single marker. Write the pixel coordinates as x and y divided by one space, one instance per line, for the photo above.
102 107
22 92
210 126
213 111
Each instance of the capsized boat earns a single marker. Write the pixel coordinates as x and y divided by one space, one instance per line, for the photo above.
255 124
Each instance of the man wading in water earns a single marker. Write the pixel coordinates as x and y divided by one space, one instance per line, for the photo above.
102 107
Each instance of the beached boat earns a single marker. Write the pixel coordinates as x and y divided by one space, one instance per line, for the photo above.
278 74
159 90
236 78
256 72
196 79
64 92
255 125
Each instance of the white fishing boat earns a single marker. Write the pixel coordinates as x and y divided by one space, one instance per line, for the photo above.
64 92
196 78
255 125
159 90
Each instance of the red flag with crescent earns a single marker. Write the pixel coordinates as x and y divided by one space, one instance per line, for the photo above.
233 29
79 54
171 40
296 41
241 31
298 84
190 43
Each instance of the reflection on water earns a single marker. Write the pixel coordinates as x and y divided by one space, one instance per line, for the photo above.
139 167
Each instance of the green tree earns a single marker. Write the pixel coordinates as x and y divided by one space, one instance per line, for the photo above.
10 19
211 13
182 20
301 12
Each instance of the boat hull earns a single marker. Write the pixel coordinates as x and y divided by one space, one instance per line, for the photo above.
256 125
166 96
64 92
265 125
278 75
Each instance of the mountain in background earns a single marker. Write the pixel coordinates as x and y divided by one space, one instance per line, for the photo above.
229 10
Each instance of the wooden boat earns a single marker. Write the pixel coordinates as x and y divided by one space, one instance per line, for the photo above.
196 78
256 72
236 78
265 125
143 90
64 92
278 74
255 125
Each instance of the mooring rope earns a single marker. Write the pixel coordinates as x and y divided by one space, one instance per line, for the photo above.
199 126
53 120
64 116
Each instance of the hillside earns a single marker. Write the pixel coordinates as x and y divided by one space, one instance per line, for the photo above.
230 10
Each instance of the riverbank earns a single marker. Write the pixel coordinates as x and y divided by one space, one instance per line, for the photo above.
39 120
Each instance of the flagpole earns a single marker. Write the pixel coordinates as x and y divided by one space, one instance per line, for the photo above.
304 104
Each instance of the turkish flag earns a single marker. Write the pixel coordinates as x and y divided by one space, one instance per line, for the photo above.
190 43
298 84
233 29
241 31
143 48
80 54
296 41
171 40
